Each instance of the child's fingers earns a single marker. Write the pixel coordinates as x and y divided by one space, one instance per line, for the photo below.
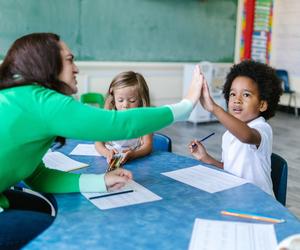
205 88
111 163
193 146
123 160
109 158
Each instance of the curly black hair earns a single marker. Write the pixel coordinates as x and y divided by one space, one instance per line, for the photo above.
269 84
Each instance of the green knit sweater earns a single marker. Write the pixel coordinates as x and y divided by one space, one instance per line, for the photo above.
32 116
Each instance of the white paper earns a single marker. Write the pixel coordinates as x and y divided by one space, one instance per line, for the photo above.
227 235
139 195
85 149
207 179
57 160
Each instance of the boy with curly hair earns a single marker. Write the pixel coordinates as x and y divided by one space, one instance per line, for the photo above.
252 92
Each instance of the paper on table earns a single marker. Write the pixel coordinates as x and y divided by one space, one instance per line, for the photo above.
57 160
139 195
227 235
85 149
205 178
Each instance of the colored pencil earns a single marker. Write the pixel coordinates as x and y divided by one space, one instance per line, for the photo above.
239 214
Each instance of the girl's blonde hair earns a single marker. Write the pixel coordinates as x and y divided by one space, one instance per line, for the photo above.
128 79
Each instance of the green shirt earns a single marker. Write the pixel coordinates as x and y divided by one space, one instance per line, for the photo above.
32 116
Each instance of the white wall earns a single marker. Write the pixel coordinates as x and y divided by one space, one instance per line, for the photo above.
285 41
285 50
165 80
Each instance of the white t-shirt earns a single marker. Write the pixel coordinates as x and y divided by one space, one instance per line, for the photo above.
124 144
246 160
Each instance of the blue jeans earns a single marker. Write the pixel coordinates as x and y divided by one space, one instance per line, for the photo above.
26 218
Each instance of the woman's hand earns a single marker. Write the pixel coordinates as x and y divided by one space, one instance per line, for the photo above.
197 150
117 178
195 86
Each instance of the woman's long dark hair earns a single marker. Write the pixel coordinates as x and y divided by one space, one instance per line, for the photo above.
34 59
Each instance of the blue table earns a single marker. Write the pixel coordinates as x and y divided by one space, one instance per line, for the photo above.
164 224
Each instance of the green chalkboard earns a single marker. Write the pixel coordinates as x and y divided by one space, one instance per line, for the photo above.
128 30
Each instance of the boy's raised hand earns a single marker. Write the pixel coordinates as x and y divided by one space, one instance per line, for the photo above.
195 86
205 99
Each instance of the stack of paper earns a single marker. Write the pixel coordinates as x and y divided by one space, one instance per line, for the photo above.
85 149
57 160
227 235
207 179
137 194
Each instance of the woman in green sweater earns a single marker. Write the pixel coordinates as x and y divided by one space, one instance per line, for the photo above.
37 77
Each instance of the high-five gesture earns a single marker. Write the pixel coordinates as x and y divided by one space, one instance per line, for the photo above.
205 99
194 91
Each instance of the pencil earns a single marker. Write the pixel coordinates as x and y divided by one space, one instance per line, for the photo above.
251 216
206 137
203 139
111 194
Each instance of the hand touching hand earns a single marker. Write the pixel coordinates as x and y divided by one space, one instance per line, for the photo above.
117 178
110 155
205 98
195 86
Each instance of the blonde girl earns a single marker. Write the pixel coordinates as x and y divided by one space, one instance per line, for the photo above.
127 90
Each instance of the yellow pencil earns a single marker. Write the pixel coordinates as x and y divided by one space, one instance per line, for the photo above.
239 214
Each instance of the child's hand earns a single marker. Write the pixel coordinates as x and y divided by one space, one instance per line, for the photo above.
195 86
197 150
126 156
110 155
117 178
205 98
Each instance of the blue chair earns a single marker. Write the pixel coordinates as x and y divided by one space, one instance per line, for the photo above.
279 176
93 98
284 76
161 143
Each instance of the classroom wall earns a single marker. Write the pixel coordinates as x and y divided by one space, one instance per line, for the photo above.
131 30
153 37
141 29
165 80
285 52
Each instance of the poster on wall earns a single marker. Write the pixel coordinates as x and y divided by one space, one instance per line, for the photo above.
261 37
256 30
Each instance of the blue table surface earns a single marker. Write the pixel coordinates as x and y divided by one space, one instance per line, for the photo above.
164 224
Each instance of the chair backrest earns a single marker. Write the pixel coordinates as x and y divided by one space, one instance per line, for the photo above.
93 98
284 76
161 143
279 176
